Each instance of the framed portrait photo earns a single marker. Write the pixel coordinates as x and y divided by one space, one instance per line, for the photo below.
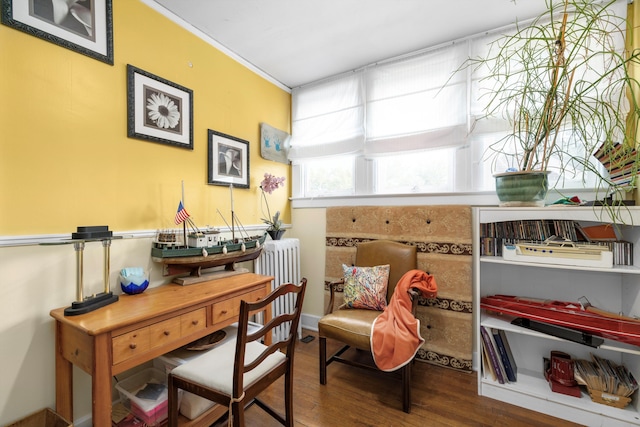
228 161
85 26
158 110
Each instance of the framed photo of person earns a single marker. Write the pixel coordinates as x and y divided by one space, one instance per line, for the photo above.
228 160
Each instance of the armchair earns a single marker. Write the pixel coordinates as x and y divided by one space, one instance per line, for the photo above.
352 326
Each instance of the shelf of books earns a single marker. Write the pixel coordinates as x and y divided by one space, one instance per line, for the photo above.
525 358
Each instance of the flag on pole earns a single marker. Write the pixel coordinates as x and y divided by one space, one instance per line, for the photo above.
182 214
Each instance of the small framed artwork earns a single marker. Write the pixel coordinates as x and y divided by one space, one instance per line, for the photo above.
80 25
158 110
274 144
228 160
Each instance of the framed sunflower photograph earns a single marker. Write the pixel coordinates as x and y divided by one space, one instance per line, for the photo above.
85 26
158 110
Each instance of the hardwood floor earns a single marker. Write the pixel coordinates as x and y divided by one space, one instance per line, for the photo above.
357 397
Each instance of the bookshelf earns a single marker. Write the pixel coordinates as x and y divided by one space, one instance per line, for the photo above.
615 289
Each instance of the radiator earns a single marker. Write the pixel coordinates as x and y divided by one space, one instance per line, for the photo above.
281 259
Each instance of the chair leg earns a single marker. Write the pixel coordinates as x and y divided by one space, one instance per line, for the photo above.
406 388
323 360
173 403
237 409
288 399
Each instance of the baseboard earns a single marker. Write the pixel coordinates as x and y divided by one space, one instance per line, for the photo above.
309 322
85 421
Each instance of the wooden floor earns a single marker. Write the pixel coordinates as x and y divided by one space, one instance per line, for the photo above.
356 397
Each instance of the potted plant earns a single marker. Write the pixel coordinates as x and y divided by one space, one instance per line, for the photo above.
268 185
564 91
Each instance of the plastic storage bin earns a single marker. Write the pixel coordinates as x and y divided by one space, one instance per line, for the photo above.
146 395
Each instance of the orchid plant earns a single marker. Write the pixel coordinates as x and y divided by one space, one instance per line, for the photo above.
268 185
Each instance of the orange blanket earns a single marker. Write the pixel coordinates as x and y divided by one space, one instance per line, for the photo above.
395 334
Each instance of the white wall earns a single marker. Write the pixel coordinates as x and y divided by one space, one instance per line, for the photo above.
311 233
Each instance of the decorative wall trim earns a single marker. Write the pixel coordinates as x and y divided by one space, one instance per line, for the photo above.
441 248
444 360
36 239
447 304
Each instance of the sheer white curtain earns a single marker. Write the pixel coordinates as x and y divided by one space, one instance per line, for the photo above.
328 118
404 105
417 102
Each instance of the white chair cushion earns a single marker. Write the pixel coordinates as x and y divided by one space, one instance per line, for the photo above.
214 369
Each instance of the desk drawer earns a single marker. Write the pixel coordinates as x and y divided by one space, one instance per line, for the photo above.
130 344
164 332
193 321
228 309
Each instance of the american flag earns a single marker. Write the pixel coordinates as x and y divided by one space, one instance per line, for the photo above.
182 214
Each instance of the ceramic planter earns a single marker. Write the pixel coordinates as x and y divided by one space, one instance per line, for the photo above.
525 188
276 234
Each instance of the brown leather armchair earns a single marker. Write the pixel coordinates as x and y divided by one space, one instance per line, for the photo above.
352 326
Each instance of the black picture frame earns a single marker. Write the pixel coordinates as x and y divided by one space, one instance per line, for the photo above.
84 28
172 123
228 160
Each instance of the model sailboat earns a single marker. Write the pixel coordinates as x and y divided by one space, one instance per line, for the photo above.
203 249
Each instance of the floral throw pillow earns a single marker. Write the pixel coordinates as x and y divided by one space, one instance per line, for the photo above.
366 287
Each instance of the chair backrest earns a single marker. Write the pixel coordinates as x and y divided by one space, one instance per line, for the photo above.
247 309
400 257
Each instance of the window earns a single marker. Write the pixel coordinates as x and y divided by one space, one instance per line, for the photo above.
329 177
407 125
429 171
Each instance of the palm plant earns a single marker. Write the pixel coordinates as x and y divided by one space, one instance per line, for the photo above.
567 91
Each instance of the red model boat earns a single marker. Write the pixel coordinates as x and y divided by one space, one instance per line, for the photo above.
567 314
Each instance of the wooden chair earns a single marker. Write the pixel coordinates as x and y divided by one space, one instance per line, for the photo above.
234 373
352 327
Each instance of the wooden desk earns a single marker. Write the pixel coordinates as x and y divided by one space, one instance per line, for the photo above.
138 328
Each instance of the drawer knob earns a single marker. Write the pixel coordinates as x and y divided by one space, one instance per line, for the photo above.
132 346
167 333
223 312
194 322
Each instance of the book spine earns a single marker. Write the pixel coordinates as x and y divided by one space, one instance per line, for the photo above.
511 376
493 354
512 360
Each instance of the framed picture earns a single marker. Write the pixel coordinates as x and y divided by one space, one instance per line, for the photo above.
274 144
80 25
158 110
228 160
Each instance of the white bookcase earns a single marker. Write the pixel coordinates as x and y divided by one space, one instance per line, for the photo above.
614 289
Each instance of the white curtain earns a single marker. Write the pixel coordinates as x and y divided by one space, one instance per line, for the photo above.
416 102
328 118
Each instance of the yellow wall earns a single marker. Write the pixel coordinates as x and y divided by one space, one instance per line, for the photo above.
66 160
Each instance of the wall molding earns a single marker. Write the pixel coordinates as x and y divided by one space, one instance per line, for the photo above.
38 239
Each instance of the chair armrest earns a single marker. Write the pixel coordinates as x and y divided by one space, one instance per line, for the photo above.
414 294
332 290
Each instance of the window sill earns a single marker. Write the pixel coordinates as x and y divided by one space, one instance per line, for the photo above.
484 198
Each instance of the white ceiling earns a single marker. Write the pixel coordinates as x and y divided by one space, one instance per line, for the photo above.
300 41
